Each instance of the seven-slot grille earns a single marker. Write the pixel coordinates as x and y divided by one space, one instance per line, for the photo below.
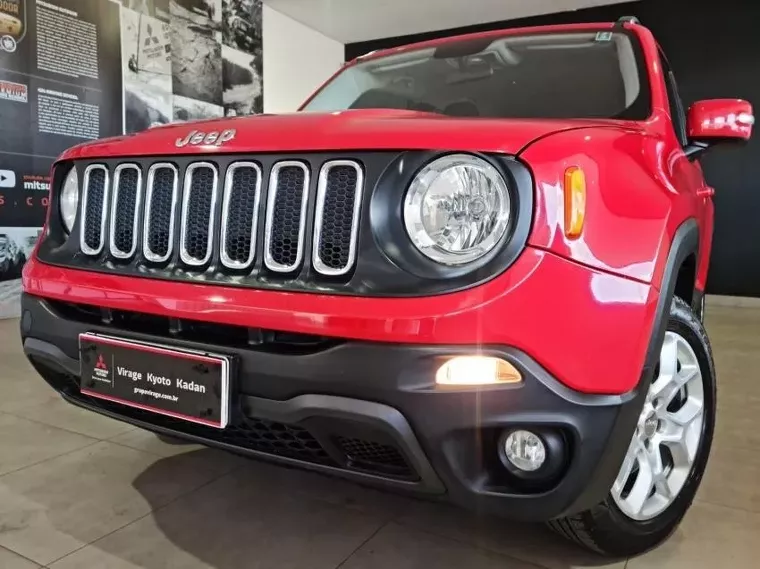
189 203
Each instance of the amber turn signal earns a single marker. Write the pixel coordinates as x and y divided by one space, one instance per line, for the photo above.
477 370
575 202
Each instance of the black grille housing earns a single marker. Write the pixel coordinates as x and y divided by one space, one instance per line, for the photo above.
351 244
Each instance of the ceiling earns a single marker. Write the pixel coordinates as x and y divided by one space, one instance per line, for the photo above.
351 21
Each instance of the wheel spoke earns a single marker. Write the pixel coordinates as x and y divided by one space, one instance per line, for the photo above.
668 368
686 415
625 470
641 490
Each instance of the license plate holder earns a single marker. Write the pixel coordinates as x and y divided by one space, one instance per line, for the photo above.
191 385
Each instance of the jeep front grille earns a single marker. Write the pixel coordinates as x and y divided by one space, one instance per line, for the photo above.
215 214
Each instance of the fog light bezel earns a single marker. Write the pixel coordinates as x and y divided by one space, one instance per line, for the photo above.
556 450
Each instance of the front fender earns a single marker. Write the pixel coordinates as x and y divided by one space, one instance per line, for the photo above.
629 200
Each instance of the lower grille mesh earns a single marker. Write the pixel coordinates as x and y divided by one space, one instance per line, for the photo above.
373 456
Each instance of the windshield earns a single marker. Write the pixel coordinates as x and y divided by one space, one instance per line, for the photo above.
598 74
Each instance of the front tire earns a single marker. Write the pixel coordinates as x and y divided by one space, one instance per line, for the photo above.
668 453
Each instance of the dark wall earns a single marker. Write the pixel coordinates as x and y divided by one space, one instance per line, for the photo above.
714 49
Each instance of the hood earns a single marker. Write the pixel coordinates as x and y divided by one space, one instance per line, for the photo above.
374 129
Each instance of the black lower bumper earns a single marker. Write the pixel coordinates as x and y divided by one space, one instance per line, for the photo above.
368 412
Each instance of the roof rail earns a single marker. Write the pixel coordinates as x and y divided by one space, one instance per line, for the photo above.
627 20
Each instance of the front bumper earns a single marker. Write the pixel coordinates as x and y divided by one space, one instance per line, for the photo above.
371 412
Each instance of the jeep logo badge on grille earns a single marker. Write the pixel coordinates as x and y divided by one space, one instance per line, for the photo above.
200 138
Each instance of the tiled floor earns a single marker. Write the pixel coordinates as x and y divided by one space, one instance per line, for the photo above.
78 491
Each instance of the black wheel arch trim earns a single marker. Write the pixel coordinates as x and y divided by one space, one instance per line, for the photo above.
685 242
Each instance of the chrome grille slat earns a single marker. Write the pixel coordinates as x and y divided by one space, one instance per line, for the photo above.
240 213
336 226
199 197
125 210
160 208
286 216
94 208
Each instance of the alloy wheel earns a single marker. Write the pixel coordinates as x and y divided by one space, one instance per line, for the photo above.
664 446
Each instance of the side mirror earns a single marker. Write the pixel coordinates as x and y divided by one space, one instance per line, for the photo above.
718 120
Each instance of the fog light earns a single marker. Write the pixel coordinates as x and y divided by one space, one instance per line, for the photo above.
477 370
525 450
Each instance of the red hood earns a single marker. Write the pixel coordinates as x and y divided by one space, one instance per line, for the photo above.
376 129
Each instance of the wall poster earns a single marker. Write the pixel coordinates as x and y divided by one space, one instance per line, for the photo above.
72 71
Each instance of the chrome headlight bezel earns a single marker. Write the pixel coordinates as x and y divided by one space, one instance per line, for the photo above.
488 185
68 199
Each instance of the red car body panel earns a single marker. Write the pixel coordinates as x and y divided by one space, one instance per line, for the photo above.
376 129
563 301
520 308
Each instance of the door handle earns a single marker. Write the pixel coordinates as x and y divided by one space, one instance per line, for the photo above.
706 192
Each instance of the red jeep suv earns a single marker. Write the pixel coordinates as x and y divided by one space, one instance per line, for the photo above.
470 269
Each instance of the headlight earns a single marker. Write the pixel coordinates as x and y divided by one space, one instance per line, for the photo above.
69 199
457 209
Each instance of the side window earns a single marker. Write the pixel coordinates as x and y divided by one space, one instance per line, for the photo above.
674 100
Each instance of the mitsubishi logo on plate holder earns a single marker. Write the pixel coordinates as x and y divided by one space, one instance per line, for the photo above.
200 138
101 364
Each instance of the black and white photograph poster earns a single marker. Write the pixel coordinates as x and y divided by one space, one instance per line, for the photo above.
242 25
196 64
242 83
202 16
153 8
147 71
186 109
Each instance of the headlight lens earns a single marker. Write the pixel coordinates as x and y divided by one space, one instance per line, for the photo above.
457 209
69 199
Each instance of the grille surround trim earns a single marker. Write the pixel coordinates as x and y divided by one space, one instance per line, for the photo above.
228 181
147 252
324 173
184 255
269 260
114 250
84 247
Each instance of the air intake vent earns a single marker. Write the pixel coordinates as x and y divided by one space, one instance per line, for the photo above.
94 207
337 223
160 204
240 210
125 210
286 216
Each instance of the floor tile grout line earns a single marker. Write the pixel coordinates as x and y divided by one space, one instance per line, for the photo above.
726 507
44 460
152 511
24 557
471 545
43 423
362 544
